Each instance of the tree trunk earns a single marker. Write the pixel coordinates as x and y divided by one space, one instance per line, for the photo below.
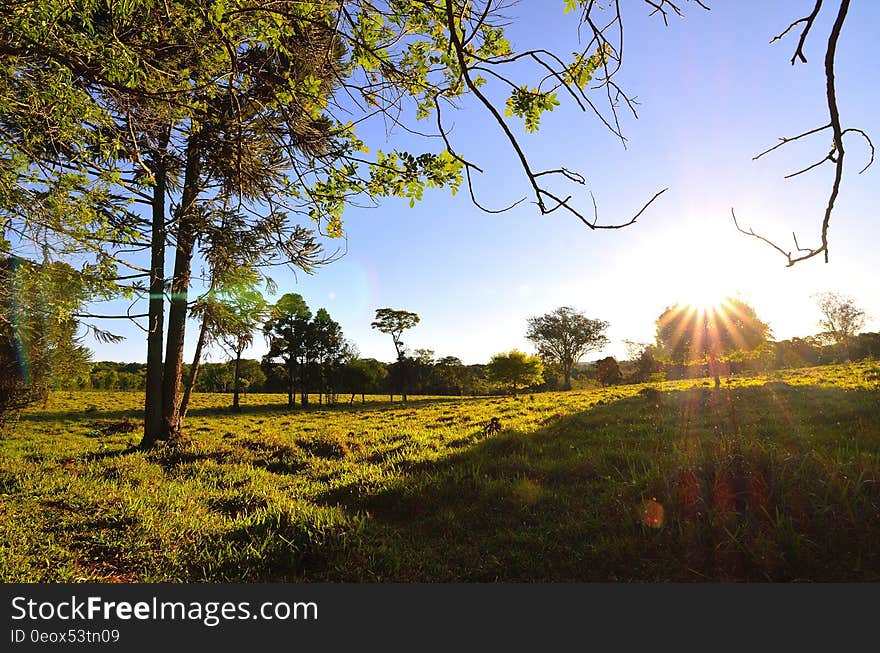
713 370
194 370
303 391
236 408
566 385
290 389
186 225
156 314
403 376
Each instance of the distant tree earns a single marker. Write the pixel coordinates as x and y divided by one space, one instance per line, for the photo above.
363 375
395 322
423 356
327 350
693 334
104 379
608 371
797 352
419 371
245 309
230 315
841 318
215 377
451 375
565 336
251 375
477 381
515 369
309 347
865 345
287 330
644 357
131 380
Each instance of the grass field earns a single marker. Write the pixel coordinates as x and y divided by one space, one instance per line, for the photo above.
767 479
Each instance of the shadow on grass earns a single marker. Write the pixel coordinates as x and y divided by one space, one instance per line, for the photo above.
762 483
767 483
91 414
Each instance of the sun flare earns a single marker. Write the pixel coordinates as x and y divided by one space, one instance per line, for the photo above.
702 293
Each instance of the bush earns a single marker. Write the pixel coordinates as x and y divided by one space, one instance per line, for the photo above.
608 371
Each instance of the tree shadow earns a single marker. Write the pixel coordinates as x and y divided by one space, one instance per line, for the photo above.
745 484
92 414
45 416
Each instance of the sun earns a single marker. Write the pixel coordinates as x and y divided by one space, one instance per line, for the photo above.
701 292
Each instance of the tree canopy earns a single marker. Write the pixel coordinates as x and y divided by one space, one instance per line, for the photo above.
395 322
40 343
515 369
841 318
691 334
564 336
309 347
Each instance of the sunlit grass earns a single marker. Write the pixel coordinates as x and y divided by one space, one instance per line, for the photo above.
768 479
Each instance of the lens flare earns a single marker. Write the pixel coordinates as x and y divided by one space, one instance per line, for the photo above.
653 514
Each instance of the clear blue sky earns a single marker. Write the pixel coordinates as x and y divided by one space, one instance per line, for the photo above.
712 94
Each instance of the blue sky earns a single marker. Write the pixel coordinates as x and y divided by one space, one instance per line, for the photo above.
712 94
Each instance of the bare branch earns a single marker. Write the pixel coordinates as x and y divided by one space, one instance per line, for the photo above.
836 155
784 140
799 51
870 144
751 232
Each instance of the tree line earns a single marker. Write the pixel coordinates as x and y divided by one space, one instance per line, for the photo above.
309 359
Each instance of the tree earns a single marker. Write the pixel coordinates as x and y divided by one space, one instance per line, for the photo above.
565 336
644 356
515 369
797 352
287 332
451 375
608 371
865 345
40 347
328 350
251 375
395 322
230 312
309 347
726 331
215 377
185 106
841 318
241 313
362 375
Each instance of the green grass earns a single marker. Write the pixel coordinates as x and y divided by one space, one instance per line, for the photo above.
768 479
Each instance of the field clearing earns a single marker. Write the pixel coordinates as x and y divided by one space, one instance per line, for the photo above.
771 478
